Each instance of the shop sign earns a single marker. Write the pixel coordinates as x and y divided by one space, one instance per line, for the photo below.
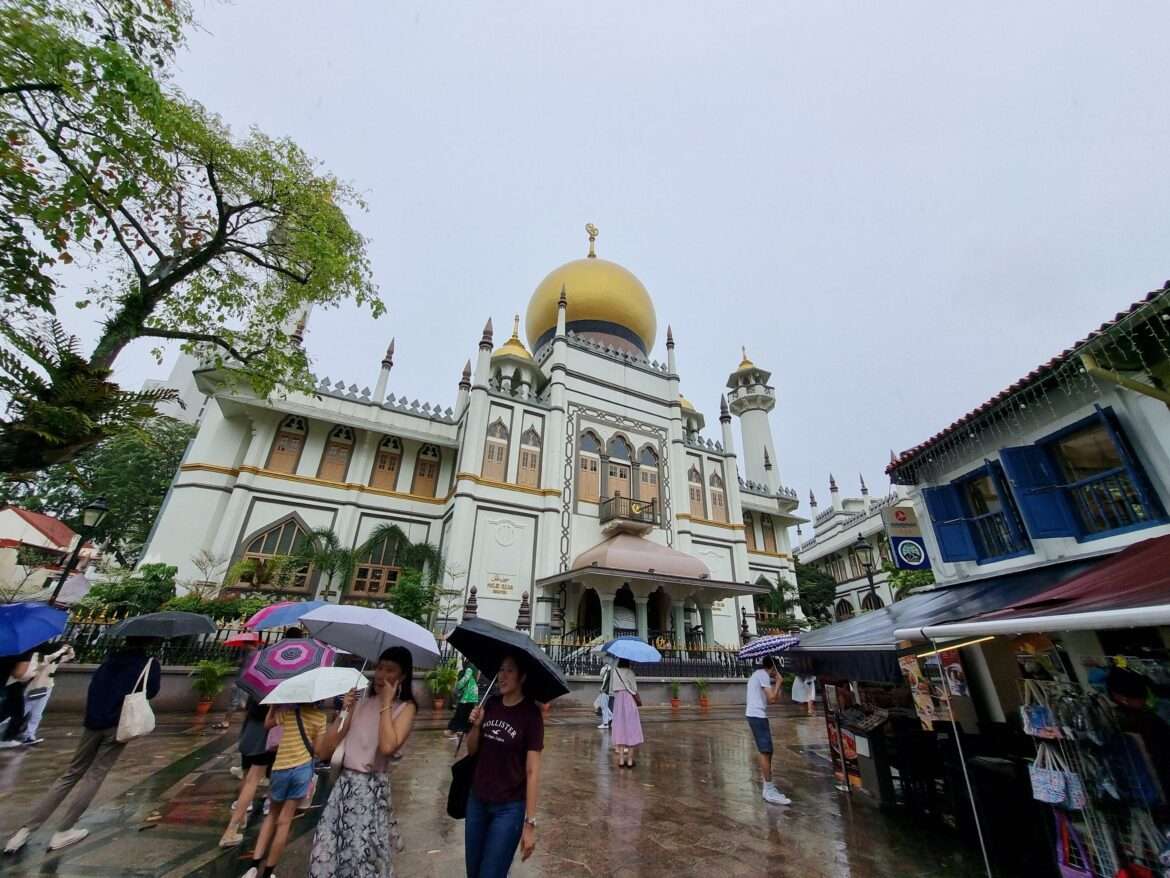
919 690
906 543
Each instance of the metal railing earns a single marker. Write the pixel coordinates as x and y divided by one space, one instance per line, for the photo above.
714 662
628 509
86 634
1108 501
994 538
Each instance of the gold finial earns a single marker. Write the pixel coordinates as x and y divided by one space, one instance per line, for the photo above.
591 230
516 326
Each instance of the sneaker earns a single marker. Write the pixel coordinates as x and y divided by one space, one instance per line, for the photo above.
17 841
32 742
251 873
774 797
236 772
267 806
66 838
8 745
603 726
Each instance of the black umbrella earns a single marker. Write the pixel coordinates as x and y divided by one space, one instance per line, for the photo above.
486 644
171 623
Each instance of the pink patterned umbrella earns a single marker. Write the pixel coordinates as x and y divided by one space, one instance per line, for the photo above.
268 667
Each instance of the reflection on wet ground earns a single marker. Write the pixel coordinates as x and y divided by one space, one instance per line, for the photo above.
688 808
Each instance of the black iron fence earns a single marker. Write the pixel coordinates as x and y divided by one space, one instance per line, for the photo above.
715 663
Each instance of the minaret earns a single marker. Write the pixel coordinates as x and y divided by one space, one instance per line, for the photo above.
864 492
751 398
834 494
464 388
812 509
671 364
384 374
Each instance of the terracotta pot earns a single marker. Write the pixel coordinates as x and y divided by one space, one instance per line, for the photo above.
438 703
202 707
704 704
674 704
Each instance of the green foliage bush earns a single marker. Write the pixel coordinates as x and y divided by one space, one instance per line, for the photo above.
145 590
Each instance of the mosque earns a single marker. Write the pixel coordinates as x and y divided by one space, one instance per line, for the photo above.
570 484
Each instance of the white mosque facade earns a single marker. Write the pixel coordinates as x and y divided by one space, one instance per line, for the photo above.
569 475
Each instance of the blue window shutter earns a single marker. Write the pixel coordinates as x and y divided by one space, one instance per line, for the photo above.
945 506
1011 520
1039 492
1137 474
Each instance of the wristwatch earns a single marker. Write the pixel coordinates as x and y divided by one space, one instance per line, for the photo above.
531 821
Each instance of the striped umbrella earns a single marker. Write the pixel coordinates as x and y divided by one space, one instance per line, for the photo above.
769 645
268 667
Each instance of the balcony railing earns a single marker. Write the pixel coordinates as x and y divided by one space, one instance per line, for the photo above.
629 509
1107 502
994 538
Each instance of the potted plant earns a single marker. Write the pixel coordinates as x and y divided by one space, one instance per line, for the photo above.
210 677
441 680
701 686
674 690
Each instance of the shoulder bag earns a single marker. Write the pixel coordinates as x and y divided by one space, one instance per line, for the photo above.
136 718
462 773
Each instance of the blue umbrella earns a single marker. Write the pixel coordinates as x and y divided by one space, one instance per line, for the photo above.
25 625
632 649
289 614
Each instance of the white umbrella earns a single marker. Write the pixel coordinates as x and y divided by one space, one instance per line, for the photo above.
316 685
367 632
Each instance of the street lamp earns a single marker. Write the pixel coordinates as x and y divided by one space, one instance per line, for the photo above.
91 517
864 551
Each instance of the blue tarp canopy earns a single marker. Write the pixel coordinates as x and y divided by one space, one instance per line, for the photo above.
864 647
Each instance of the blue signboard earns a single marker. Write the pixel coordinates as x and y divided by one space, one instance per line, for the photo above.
909 553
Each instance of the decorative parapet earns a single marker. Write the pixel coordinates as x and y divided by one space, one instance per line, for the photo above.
704 444
606 350
434 412
750 487
875 507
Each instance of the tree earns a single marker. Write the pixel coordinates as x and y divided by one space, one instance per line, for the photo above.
817 591
134 593
132 470
201 237
902 582
322 550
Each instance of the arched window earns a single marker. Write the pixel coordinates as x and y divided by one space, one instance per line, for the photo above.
718 498
376 572
648 474
589 464
528 473
749 531
695 486
335 458
387 463
618 467
769 533
871 602
495 451
426 471
266 548
288 445
844 610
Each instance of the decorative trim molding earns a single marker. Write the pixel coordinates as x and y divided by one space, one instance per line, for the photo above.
310 480
508 486
211 468
769 554
686 516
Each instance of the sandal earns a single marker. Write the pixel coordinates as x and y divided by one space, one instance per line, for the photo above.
230 841
219 725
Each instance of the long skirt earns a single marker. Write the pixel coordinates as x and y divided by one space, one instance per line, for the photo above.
357 835
627 722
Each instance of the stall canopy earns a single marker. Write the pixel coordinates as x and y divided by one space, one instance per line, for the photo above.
865 647
1127 590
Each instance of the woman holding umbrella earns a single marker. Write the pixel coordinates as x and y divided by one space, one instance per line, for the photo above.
357 835
627 720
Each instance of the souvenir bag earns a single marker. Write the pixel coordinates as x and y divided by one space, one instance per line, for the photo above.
1048 781
1075 796
1036 714
1067 839
136 719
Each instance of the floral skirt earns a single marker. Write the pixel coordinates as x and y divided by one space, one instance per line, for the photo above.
357 835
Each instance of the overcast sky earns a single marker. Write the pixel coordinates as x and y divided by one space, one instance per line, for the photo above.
898 208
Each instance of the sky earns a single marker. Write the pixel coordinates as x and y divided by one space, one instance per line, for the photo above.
898 209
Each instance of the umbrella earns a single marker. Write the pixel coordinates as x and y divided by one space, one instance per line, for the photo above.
23 626
486 644
769 645
368 631
170 623
281 614
316 685
243 638
282 661
632 649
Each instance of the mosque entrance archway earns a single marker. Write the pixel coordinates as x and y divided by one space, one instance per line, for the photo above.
589 614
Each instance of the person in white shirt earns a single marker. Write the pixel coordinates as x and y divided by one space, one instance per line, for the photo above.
40 688
763 688
604 700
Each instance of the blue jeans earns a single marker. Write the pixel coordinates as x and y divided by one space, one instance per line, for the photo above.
491 834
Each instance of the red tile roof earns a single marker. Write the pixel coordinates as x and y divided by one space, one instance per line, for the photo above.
56 530
1044 370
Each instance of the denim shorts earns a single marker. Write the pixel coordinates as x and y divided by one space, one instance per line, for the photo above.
762 732
291 783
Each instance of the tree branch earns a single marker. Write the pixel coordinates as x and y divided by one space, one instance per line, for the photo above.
28 86
150 332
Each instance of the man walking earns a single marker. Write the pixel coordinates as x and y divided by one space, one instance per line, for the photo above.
98 749
604 700
763 688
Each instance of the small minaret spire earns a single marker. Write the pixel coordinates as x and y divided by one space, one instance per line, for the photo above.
591 231
465 380
388 360
864 489
812 500
724 411
832 484
384 373
486 339
669 336
298 333
767 460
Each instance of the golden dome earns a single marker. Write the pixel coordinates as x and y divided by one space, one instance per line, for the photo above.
513 346
745 363
686 404
603 299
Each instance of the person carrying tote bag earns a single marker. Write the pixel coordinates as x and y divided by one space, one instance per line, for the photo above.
136 718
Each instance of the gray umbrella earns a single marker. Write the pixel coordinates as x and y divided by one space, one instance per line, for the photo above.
170 623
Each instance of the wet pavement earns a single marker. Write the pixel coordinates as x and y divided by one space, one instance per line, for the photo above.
688 808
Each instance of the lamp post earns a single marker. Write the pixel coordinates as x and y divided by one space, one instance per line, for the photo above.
864 551
91 517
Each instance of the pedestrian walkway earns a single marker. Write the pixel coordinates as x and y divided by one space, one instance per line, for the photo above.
688 808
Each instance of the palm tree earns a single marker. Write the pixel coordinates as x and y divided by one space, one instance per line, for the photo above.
322 551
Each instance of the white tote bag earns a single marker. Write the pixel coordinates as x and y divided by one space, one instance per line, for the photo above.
137 719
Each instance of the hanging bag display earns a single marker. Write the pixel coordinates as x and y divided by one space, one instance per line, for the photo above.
136 719
1036 714
1067 839
1075 796
1048 782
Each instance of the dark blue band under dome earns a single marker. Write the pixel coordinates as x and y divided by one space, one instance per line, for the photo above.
600 326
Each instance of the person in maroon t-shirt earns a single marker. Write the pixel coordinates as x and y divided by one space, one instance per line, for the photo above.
508 734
